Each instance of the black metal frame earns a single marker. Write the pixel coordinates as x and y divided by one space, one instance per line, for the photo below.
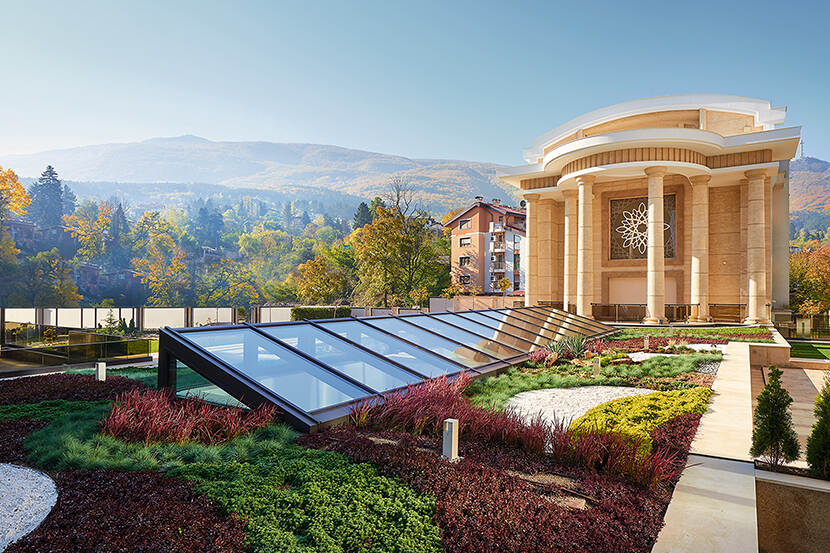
176 345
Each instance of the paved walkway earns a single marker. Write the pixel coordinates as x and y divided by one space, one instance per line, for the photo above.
713 506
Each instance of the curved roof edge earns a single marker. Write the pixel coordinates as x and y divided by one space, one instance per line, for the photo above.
765 115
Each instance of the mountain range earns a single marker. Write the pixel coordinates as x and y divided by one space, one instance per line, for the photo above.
316 169
443 184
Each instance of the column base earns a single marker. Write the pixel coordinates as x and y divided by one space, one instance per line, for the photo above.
760 322
648 321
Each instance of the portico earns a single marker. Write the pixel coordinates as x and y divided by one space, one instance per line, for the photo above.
661 210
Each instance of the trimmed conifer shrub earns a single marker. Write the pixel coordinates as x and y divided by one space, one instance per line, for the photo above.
773 437
818 444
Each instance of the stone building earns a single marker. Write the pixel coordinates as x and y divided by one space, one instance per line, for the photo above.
668 208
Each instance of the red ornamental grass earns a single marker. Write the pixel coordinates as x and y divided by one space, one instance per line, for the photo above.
422 408
158 416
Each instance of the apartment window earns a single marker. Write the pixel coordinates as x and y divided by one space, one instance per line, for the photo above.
493 278
501 218
465 224
517 285
465 242
516 262
464 279
463 261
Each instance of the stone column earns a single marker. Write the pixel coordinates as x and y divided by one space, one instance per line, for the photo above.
755 236
700 248
532 237
584 247
545 250
655 277
569 258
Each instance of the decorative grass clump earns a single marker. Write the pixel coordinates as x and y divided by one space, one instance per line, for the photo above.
422 408
158 416
636 417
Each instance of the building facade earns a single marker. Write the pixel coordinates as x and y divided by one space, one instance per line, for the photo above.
487 239
670 208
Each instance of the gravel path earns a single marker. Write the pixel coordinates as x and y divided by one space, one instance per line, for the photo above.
567 404
26 497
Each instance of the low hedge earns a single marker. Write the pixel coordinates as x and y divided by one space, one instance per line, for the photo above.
635 417
334 312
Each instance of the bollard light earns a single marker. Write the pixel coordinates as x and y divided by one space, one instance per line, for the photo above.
597 365
100 371
450 451
645 343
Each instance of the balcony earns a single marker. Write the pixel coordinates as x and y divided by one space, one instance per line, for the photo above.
497 267
496 227
498 246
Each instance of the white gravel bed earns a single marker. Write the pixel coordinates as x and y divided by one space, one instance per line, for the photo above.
567 404
26 497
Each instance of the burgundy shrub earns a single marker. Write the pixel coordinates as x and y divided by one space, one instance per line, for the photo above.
538 356
158 416
71 387
107 511
676 434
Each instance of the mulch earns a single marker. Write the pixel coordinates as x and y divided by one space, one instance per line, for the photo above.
11 439
72 387
107 511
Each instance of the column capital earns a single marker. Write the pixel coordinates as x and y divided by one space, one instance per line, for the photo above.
755 174
657 171
531 197
585 180
700 180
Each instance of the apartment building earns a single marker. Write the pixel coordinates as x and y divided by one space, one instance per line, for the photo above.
487 239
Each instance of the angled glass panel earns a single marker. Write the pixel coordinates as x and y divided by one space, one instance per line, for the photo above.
368 369
288 375
568 324
491 329
418 360
512 316
484 318
442 347
468 338
534 327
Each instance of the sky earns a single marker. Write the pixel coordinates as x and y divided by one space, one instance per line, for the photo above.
448 79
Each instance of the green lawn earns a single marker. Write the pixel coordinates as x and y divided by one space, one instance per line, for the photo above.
735 334
496 391
810 350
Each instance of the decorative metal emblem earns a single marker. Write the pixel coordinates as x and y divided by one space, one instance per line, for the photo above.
634 228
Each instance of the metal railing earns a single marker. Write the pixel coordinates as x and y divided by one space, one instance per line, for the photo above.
636 312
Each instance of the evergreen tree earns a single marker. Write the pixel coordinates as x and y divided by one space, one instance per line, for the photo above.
68 200
362 216
287 215
774 438
47 199
376 203
116 247
818 444
305 220
209 225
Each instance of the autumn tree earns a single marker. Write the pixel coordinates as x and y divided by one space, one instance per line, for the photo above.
810 281
162 267
320 282
503 284
228 283
91 225
397 253
49 282
13 196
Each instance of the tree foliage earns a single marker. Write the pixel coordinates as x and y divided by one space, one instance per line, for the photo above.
228 283
320 282
810 281
13 196
91 226
48 200
773 437
818 444
362 216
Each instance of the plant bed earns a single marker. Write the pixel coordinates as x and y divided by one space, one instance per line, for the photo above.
12 433
72 387
510 500
109 511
